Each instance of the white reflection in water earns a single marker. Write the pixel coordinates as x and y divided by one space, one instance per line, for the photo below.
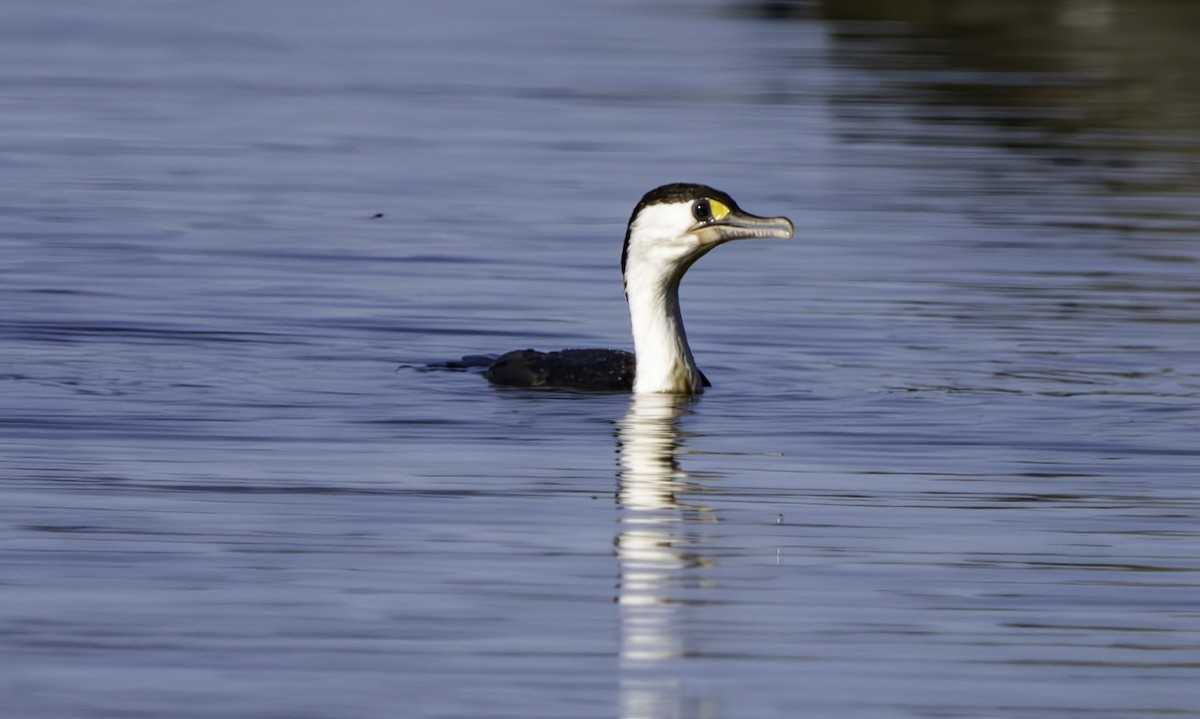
654 552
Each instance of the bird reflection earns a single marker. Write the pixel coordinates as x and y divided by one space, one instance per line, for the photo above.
656 555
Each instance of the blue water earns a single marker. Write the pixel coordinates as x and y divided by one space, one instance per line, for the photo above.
947 467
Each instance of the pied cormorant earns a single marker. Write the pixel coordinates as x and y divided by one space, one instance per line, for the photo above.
671 227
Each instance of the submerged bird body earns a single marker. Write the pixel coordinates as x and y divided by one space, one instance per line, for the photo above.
580 369
671 227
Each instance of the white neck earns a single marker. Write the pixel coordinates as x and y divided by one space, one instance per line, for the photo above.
664 360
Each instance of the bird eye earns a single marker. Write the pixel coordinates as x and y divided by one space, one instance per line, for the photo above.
706 210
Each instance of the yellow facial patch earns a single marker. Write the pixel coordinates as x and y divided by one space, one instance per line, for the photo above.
719 210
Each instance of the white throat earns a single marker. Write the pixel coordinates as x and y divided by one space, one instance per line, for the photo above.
664 360
656 263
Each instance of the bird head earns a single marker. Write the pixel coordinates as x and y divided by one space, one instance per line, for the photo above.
675 225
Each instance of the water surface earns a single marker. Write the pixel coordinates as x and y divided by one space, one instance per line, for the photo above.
947 468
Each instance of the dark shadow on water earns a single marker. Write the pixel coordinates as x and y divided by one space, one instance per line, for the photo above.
1105 92
1108 85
